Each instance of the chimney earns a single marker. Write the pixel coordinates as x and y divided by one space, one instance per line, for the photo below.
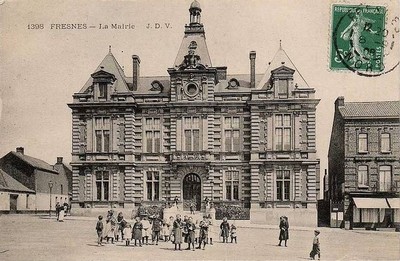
20 150
339 101
59 160
252 69
136 72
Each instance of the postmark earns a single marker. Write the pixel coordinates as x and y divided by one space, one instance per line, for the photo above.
361 39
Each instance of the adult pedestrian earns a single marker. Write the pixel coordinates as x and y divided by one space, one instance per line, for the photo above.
283 230
177 231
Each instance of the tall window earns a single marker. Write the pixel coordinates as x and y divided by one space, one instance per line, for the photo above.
283 88
362 175
283 185
62 189
153 135
232 185
283 132
232 133
385 178
102 185
102 132
153 185
385 142
103 90
191 133
362 142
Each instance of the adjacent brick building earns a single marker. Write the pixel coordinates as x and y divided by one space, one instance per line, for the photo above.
247 140
37 175
364 169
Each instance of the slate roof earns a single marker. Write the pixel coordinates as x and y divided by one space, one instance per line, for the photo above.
144 85
8 183
34 162
244 83
110 65
370 109
281 58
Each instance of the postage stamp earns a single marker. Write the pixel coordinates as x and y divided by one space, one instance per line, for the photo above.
358 38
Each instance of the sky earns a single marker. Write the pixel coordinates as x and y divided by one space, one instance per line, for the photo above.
42 68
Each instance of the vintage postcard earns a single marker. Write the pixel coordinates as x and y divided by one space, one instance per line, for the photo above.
199 130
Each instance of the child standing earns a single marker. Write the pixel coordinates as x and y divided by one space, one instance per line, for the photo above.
224 230
127 231
146 230
99 230
137 231
315 249
233 234
196 233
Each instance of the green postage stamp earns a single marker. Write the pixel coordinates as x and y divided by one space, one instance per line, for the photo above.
358 38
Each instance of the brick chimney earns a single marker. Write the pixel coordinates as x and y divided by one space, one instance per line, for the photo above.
252 57
339 101
136 72
59 160
20 150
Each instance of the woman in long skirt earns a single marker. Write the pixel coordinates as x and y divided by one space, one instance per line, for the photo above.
177 230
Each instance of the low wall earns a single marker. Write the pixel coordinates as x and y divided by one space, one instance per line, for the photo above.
297 217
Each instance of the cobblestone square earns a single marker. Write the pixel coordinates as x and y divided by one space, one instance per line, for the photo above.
36 238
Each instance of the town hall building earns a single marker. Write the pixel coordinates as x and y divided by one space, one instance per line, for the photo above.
247 140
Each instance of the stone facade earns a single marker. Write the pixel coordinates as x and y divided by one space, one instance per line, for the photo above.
248 139
364 158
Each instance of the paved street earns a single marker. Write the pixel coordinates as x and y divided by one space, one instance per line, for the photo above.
33 238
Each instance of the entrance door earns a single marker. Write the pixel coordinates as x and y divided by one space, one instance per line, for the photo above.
13 203
192 191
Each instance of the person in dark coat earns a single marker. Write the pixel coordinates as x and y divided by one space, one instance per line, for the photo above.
224 230
99 230
137 231
283 230
190 226
156 228
177 231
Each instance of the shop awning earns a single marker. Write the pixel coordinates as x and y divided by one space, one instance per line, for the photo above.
370 202
394 202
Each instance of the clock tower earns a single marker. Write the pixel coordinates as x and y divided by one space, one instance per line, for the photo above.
193 78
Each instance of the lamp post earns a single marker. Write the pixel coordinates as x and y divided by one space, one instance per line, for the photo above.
50 187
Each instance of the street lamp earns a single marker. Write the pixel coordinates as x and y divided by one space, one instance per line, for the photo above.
50 187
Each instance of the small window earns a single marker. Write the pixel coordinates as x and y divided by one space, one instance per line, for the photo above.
362 176
362 142
385 142
103 90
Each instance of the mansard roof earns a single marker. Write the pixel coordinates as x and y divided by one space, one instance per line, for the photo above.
8 183
111 66
244 83
280 59
377 109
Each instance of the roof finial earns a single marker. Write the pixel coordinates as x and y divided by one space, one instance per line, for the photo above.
280 44
109 48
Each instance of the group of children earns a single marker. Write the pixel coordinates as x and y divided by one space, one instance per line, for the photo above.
176 230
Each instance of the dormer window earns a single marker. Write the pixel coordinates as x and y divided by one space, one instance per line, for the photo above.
103 90
282 77
283 88
233 84
156 86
